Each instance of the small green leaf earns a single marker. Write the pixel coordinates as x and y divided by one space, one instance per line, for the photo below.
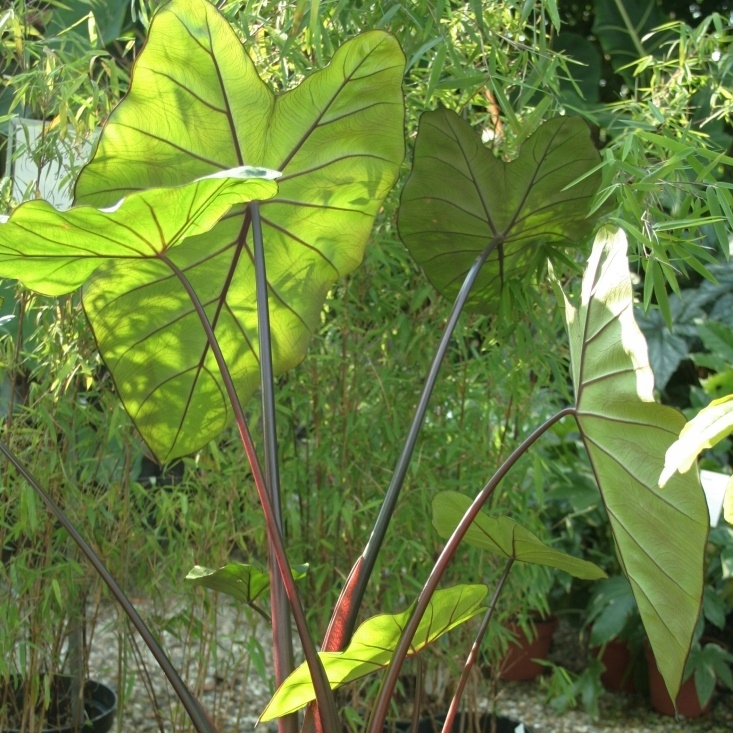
373 645
245 583
505 537
706 429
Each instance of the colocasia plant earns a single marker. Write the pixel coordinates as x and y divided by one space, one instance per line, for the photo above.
209 226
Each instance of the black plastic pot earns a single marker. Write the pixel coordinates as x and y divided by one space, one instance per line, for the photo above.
463 724
100 704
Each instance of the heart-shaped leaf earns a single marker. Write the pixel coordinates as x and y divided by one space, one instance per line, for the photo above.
53 252
460 199
195 106
503 536
660 534
245 583
373 645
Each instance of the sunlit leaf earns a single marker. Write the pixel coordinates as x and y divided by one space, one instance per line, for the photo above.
245 583
53 252
706 429
373 645
503 536
460 198
660 535
196 106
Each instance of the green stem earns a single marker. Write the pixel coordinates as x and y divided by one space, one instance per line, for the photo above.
324 695
355 587
403 647
282 640
193 707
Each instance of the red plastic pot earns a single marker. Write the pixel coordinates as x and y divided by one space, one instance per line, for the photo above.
688 703
618 675
518 664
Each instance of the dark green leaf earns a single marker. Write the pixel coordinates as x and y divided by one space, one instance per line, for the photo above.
623 28
460 199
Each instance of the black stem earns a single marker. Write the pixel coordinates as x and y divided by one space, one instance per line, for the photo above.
324 694
371 551
193 707
282 640
403 647
473 654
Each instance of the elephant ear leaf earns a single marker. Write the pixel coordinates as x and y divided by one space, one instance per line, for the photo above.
461 201
373 644
660 534
54 252
196 106
505 537
244 583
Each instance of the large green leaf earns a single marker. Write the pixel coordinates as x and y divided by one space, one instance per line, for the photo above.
506 537
195 106
53 252
660 535
460 197
373 644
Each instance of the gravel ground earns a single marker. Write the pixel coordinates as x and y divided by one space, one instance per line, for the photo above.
236 698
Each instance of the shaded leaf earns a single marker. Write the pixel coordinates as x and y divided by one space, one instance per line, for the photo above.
195 106
623 28
611 608
460 199
373 645
587 76
505 537
53 252
660 535
245 583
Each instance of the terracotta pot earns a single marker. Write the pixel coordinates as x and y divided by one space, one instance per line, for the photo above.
688 703
618 675
518 664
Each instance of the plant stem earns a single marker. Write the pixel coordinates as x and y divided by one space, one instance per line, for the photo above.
343 620
282 640
324 695
193 707
473 654
381 706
